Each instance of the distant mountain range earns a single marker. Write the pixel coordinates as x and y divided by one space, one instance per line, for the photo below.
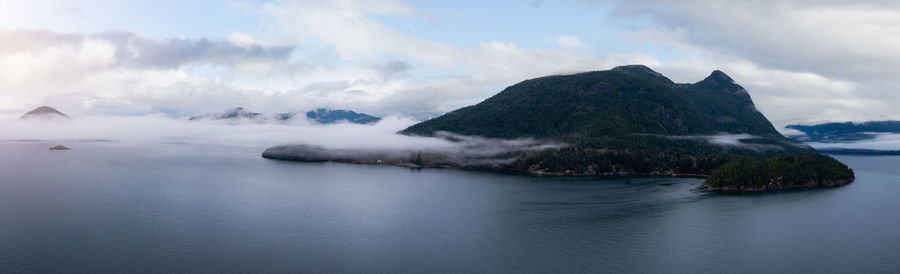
326 116
844 132
320 115
45 113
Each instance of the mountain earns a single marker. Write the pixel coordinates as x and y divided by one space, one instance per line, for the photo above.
844 132
327 116
629 120
321 116
44 112
588 108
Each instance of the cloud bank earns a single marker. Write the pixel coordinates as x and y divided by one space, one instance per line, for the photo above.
160 129
801 61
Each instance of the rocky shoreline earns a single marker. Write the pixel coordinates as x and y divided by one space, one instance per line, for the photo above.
778 185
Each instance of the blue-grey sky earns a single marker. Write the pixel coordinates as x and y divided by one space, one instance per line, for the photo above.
801 60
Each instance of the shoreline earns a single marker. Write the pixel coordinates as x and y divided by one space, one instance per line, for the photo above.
778 185
439 161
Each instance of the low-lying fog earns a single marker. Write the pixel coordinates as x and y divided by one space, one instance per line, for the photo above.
162 129
246 133
382 135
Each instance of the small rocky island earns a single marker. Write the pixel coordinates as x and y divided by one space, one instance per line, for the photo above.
60 148
44 113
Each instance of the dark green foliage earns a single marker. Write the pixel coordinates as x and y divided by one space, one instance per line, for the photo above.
647 155
787 171
629 120
590 108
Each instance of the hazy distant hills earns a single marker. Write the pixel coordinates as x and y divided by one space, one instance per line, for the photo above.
234 113
45 113
327 116
844 132
320 115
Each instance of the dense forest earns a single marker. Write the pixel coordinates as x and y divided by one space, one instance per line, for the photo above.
593 107
628 120
782 172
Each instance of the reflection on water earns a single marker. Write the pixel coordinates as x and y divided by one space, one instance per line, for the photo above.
121 207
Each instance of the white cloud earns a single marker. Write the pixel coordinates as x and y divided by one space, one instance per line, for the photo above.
569 41
807 61
804 61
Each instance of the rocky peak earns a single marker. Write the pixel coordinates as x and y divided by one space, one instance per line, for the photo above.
719 76
718 80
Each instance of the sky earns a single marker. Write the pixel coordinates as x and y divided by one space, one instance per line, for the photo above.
802 61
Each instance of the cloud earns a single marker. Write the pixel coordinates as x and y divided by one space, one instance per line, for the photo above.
393 69
158 128
808 61
805 60
132 50
342 138
569 41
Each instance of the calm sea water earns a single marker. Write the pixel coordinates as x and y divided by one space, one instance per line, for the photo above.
119 207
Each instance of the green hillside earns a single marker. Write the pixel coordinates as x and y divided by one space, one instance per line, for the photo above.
628 120
589 108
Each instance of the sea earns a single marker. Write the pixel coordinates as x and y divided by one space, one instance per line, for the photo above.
123 207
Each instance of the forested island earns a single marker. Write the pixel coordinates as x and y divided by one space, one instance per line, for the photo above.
806 170
629 121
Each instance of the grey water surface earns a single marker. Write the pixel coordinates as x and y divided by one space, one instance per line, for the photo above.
111 207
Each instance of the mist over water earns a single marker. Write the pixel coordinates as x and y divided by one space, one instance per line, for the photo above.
158 128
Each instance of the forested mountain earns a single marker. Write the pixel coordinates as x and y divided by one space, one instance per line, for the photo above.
587 108
628 120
